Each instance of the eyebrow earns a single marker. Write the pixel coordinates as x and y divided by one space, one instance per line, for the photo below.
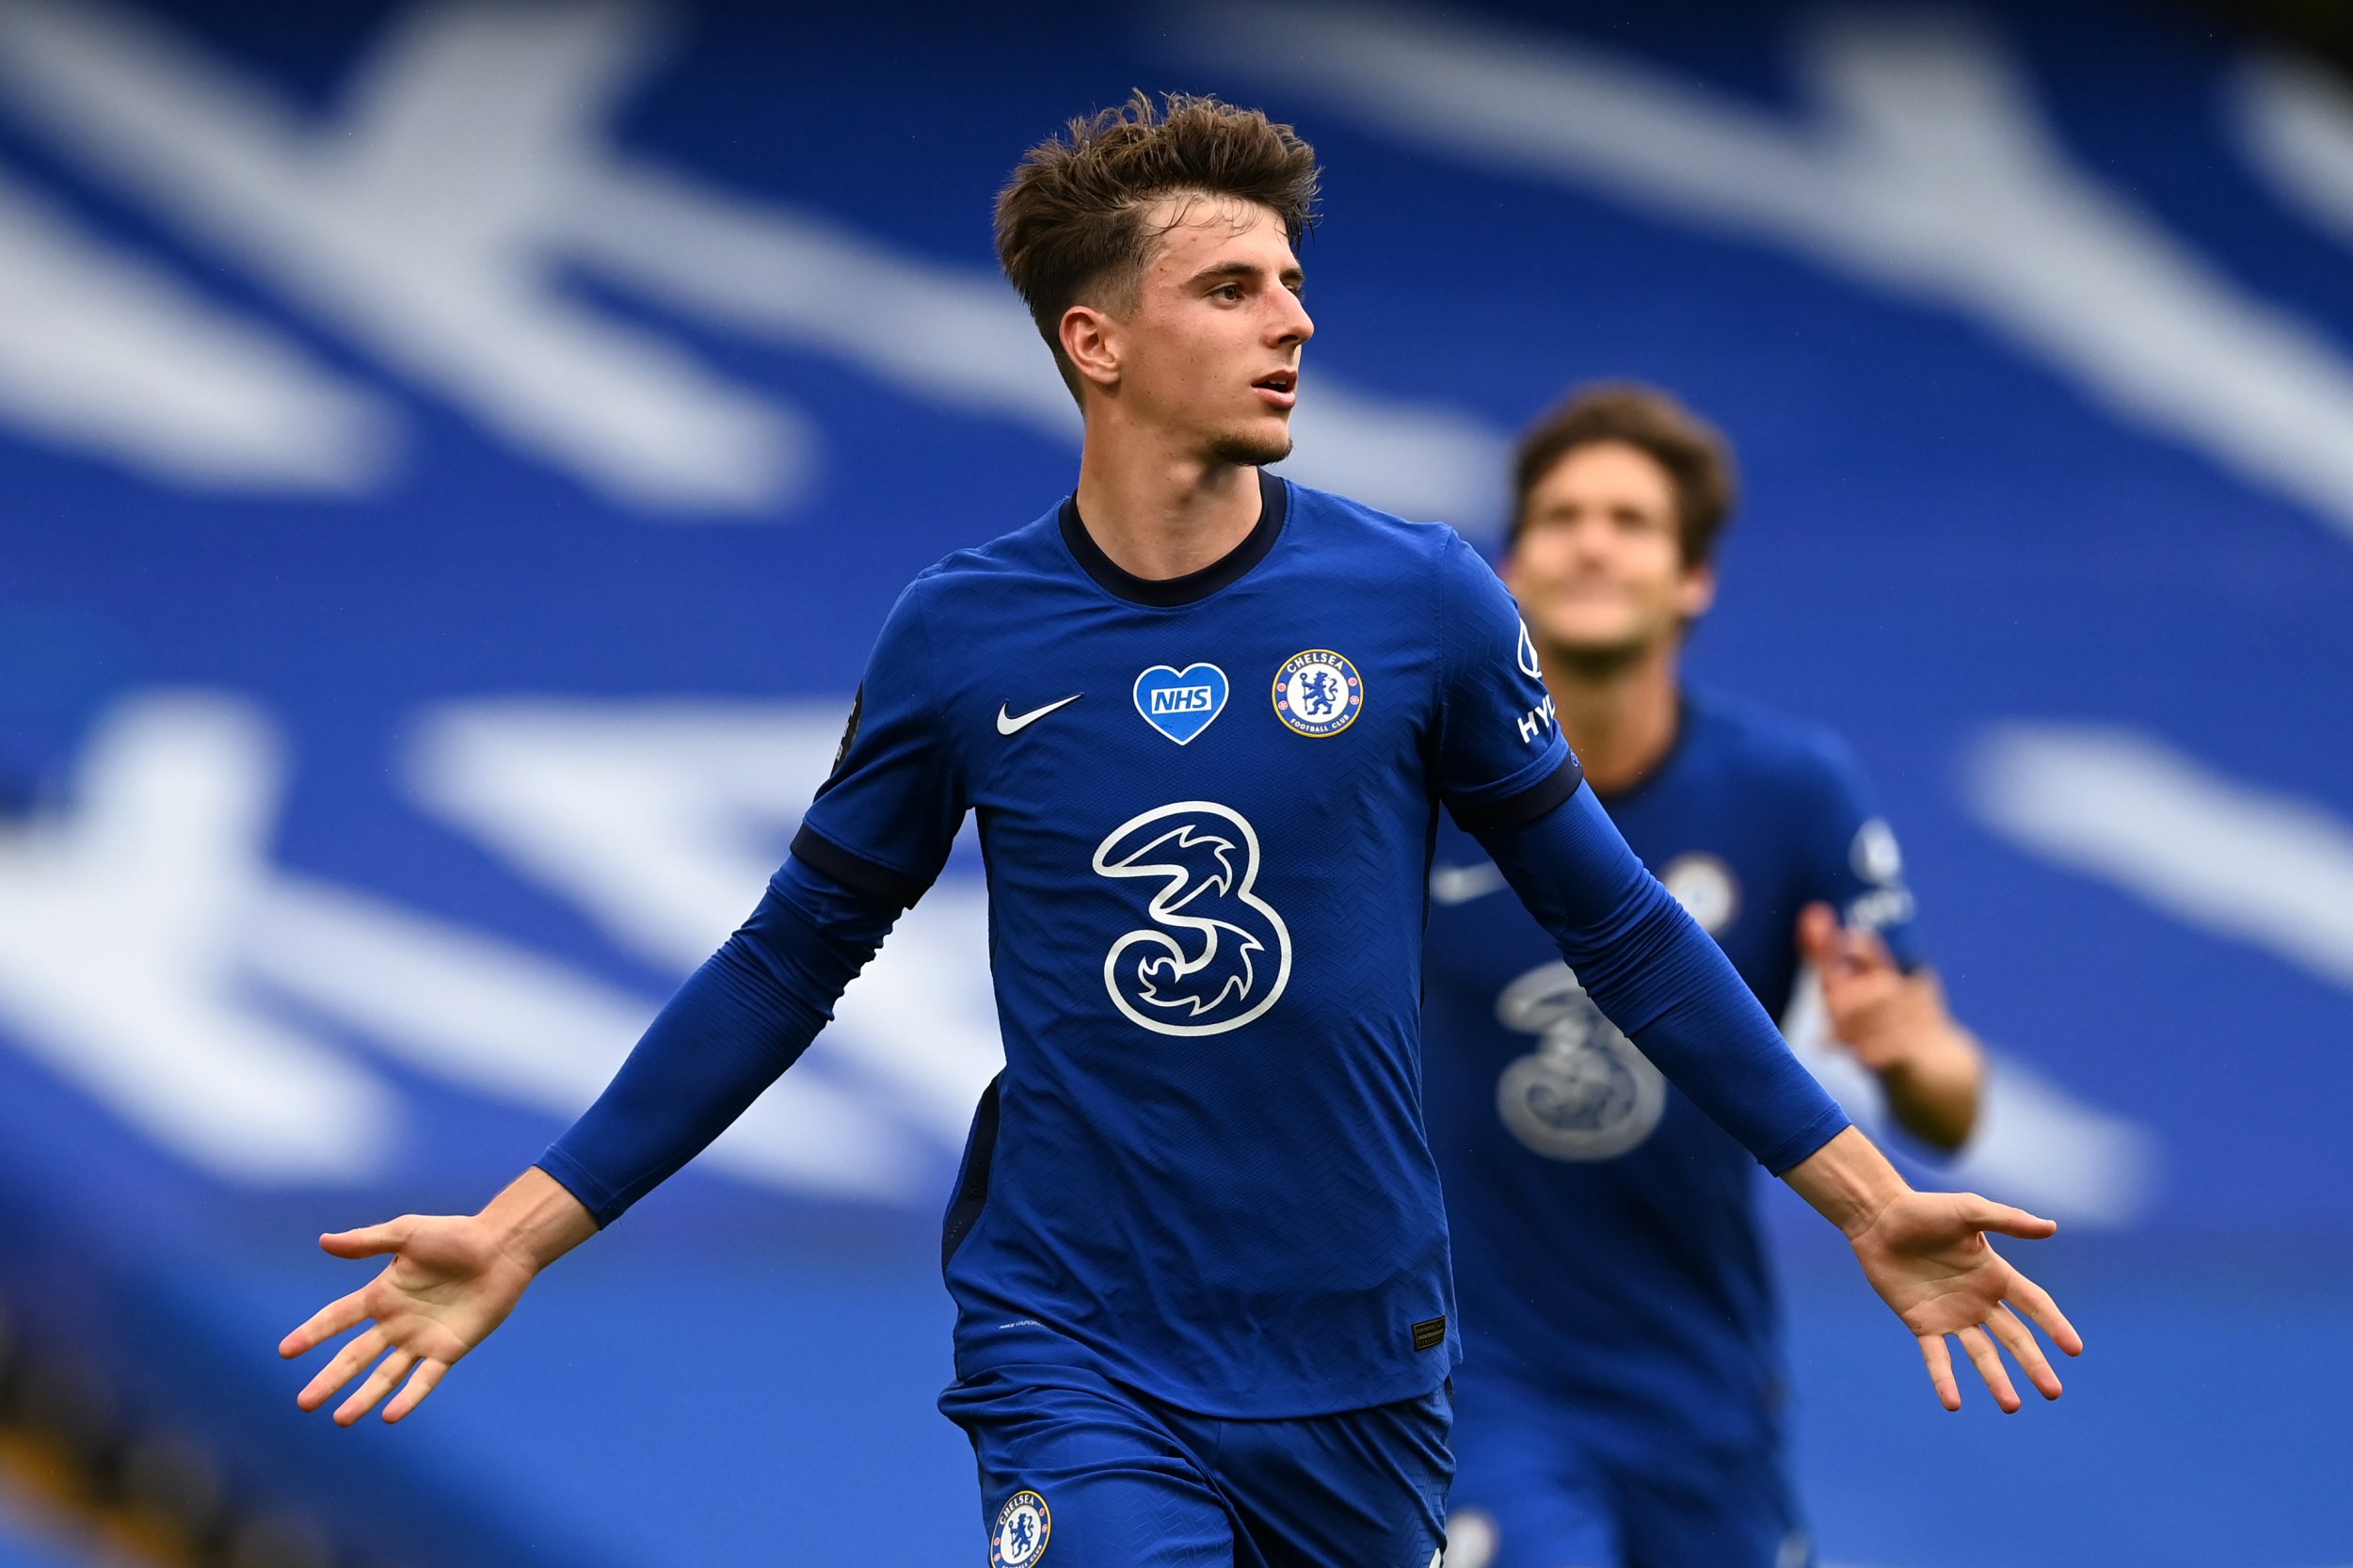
1245 272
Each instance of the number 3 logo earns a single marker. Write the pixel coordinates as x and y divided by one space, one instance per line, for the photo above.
1216 955
1588 1092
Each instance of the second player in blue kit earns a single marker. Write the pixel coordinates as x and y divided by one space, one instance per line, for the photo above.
1620 1404
1205 720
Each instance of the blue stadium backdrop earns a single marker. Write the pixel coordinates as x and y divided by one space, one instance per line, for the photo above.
456 454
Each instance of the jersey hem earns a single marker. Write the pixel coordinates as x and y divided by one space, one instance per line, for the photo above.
1265 1400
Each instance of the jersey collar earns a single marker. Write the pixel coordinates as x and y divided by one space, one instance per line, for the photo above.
1667 758
1168 592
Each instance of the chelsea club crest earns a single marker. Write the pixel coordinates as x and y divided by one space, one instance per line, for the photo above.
1022 1526
1318 693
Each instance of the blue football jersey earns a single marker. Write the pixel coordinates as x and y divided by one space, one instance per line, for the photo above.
1206 807
1605 1235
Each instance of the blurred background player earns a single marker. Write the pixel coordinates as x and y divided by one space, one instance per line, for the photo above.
1619 1401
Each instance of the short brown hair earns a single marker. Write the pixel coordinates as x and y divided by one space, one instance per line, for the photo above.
1694 454
1071 219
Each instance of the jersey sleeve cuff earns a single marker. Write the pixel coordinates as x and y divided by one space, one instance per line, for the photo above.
855 871
1804 1144
1519 804
567 1173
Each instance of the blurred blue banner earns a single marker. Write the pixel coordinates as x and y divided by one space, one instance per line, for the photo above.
457 454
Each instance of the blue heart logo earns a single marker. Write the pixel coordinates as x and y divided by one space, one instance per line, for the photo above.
1179 703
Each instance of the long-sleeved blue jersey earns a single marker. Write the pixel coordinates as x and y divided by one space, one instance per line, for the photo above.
1606 1241
1206 807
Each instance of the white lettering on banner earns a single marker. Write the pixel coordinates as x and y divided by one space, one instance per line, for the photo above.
660 822
2295 125
142 937
119 961
428 217
103 352
2251 864
512 1025
418 220
1927 170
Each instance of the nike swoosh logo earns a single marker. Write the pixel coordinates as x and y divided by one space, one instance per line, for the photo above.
1009 724
1462 884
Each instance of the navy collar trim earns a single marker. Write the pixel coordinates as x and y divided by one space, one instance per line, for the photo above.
1164 593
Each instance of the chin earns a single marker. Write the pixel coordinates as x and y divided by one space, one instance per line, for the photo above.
1253 448
1596 648
1591 640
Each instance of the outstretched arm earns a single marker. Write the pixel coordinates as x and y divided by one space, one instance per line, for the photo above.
452 1279
736 1024
1662 980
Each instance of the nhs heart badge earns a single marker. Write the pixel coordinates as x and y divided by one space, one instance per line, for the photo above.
1179 703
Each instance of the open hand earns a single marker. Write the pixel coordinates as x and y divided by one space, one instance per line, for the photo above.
1928 1256
449 1284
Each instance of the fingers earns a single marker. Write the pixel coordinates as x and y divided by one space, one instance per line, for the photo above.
1867 950
2038 1306
2003 1220
326 1322
1818 934
1987 1362
2019 1340
381 1381
1940 1362
368 1241
345 1367
428 1374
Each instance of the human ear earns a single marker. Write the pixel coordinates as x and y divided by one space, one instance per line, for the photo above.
1089 342
1696 593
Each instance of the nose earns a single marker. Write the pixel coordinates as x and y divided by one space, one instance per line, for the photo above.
1590 538
1292 325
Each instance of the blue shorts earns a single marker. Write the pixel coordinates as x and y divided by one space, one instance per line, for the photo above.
1080 1472
1540 1489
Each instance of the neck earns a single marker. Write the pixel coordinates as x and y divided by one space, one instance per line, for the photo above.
1156 509
1618 715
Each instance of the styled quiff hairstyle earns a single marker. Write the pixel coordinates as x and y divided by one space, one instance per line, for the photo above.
1070 224
1694 453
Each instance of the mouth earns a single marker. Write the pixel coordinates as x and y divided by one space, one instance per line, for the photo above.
1279 387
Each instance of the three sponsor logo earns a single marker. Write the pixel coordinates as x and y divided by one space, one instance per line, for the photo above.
1212 955
1586 1092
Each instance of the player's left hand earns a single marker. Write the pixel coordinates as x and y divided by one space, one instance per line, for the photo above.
1928 1256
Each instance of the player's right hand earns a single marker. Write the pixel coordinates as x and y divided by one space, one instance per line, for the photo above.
451 1281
